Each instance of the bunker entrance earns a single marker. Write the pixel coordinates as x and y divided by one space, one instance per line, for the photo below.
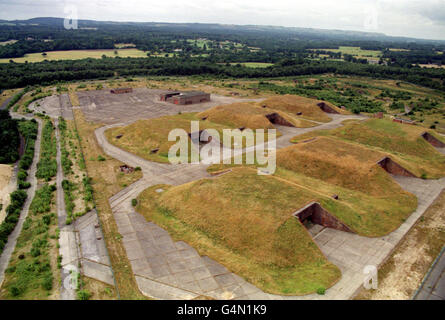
202 137
275 118
313 213
433 140
325 108
394 168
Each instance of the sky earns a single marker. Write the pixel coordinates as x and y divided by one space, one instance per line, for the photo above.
411 18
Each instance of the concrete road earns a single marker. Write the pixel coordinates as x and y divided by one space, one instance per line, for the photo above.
433 286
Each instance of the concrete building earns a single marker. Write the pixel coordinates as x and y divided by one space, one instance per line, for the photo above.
404 121
184 98
121 90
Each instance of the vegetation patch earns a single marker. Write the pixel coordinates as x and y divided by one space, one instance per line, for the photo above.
402 142
248 227
106 185
28 129
30 274
47 166
250 115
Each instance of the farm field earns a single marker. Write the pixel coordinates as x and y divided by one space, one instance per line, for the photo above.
77 55
356 51
254 64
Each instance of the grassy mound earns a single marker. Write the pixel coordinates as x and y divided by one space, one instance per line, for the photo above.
144 136
295 104
402 142
248 227
249 115
339 163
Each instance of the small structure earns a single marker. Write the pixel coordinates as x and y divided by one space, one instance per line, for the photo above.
404 121
121 90
326 108
394 168
185 98
167 95
433 140
126 169
275 118
317 215
378 115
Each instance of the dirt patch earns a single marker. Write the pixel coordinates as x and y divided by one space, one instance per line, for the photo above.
403 272
5 177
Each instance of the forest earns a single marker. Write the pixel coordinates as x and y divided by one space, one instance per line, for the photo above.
210 50
15 75
9 138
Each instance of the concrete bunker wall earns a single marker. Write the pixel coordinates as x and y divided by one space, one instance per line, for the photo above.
275 118
324 107
394 168
315 213
433 140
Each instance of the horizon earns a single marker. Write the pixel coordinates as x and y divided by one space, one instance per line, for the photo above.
427 18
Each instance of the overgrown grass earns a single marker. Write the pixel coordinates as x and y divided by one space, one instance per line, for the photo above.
402 142
47 166
105 185
249 227
30 274
28 129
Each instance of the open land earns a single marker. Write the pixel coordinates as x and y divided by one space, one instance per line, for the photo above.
177 243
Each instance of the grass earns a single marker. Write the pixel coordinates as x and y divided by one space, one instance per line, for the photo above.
32 272
77 54
47 166
253 64
403 271
402 142
374 204
143 136
294 104
107 181
356 51
249 115
248 227
6 94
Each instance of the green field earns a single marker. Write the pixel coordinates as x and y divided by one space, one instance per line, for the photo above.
356 51
78 54
254 64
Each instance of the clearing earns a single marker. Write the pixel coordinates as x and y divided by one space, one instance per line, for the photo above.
77 54
5 177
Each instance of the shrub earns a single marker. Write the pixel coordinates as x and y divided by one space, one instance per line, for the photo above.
47 282
14 291
134 202
83 295
321 291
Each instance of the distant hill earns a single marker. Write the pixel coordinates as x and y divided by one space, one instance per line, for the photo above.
293 32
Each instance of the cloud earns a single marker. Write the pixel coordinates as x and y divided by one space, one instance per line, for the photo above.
413 18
